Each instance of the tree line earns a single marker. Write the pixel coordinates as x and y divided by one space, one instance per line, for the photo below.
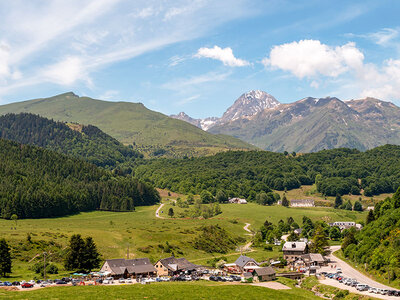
37 183
248 173
377 245
83 141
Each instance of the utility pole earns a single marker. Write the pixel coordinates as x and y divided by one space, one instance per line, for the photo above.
44 265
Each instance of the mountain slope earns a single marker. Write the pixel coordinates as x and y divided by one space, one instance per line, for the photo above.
37 183
312 124
129 123
87 142
247 105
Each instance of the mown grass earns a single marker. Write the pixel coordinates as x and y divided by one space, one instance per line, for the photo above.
198 290
113 232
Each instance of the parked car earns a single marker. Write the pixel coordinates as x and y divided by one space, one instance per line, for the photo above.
32 282
213 278
61 282
7 283
26 285
108 280
15 283
128 280
338 270
121 280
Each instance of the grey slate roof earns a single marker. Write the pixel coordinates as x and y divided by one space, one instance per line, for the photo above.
264 271
177 264
243 260
118 266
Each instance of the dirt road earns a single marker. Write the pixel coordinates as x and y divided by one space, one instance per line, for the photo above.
158 211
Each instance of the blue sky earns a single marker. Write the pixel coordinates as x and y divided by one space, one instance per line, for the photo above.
199 56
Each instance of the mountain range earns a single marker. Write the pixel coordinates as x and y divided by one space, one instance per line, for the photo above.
307 125
147 131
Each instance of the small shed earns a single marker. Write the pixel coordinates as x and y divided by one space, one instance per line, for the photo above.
265 273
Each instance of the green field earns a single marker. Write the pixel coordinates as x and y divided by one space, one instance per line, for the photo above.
143 232
198 290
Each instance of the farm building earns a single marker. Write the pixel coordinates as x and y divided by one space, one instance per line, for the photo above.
265 273
241 265
172 266
302 203
314 259
292 251
237 201
128 267
346 225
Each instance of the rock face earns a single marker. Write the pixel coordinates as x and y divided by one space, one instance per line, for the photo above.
308 125
247 105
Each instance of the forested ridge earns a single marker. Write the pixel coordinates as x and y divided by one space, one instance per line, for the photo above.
377 245
245 173
36 183
86 141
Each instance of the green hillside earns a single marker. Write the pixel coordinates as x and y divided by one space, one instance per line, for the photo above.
246 173
131 123
87 142
37 183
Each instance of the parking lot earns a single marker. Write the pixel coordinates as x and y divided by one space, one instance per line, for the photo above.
348 278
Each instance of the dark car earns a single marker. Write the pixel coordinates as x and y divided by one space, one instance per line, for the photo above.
66 279
99 280
15 283
7 283
61 282
213 278
27 285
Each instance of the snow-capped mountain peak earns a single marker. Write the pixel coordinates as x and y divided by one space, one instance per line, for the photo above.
248 104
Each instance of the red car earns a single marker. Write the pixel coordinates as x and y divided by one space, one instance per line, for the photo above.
27 285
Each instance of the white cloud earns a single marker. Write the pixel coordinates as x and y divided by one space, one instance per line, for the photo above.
225 55
83 36
311 58
66 72
382 83
383 37
182 83
109 95
188 100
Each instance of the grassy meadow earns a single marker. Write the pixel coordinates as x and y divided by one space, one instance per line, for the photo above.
171 290
145 234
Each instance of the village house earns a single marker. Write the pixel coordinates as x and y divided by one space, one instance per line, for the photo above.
171 266
346 225
302 203
124 268
264 273
242 265
314 259
237 201
292 251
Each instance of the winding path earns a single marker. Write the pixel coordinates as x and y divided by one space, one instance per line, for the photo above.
158 211
247 247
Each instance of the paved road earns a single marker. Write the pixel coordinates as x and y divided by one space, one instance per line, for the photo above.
158 211
349 271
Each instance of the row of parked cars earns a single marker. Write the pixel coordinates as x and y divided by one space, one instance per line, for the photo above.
32 283
225 278
360 286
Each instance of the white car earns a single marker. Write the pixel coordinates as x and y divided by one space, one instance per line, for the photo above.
128 280
372 290
108 280
121 280
32 282
338 270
